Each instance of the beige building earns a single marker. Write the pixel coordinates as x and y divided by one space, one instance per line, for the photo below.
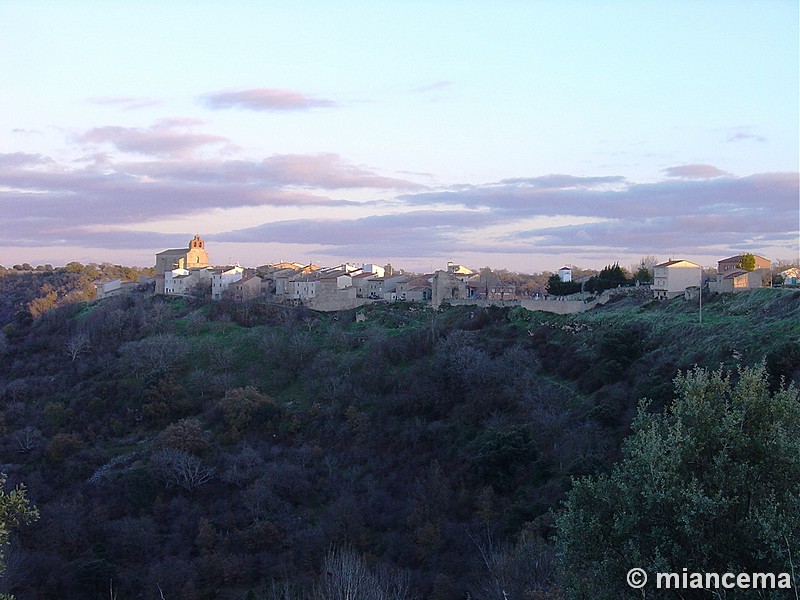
246 288
732 278
414 290
671 278
447 286
727 265
739 280
195 256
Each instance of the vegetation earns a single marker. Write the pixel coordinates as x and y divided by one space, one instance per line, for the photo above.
712 484
610 277
747 262
556 287
219 450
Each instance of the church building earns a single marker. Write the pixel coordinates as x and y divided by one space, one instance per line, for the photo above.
195 256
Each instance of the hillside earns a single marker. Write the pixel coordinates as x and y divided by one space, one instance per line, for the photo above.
219 450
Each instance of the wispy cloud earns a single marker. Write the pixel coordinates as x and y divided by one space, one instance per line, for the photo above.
695 172
327 171
166 138
265 99
434 87
125 102
738 137
18 159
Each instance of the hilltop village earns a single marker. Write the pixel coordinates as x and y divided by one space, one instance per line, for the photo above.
188 271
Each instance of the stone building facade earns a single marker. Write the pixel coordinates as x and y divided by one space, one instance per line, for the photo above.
193 256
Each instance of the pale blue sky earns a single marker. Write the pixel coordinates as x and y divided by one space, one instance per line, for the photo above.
126 127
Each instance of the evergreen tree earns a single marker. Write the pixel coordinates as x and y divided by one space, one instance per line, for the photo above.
747 262
15 510
711 485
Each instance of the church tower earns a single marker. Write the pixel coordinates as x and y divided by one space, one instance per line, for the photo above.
197 255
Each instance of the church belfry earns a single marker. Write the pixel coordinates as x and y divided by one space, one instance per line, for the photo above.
196 242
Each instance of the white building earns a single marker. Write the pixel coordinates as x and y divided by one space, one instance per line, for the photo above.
374 269
671 278
303 287
180 282
565 274
222 278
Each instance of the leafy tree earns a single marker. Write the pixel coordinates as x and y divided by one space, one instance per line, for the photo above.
747 262
710 485
243 408
15 510
500 453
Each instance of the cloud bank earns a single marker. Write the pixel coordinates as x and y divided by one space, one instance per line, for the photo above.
169 169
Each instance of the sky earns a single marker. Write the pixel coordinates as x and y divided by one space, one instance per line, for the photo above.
513 134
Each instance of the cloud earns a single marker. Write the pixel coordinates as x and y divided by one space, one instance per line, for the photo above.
412 234
434 87
265 99
43 200
556 181
18 159
694 210
327 171
126 102
742 136
695 172
165 138
320 171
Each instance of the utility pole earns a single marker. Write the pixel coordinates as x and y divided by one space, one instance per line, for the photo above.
701 296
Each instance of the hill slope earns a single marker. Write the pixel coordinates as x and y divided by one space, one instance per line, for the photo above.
213 449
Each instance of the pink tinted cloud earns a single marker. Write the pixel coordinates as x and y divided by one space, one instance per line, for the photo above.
162 139
323 171
18 159
265 99
327 171
695 172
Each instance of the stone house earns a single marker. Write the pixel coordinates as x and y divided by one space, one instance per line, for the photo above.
247 288
739 280
414 290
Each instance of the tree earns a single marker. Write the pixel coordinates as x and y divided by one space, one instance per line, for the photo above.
556 287
243 408
747 262
710 485
179 468
78 344
15 510
346 575
643 272
610 277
